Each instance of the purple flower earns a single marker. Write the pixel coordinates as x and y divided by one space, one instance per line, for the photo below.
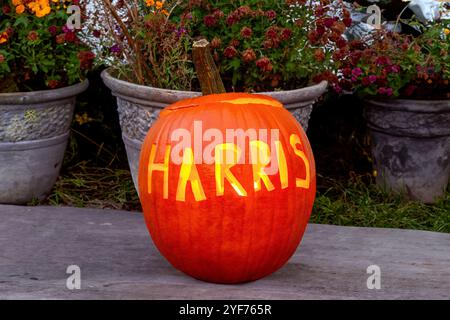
115 49
337 88
180 31
53 30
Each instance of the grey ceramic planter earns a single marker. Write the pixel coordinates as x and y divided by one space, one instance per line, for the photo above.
411 146
34 130
139 107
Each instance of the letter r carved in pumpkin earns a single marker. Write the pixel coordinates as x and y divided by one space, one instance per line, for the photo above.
240 216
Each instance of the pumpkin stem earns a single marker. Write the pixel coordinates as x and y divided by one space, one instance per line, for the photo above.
207 71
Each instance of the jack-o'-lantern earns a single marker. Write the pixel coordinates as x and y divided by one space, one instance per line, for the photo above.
227 184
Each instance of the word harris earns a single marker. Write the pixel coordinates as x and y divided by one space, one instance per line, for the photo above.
259 150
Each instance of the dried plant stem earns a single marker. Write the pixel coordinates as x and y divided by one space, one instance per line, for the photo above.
207 72
138 65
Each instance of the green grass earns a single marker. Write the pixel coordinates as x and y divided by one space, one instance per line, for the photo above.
85 186
362 204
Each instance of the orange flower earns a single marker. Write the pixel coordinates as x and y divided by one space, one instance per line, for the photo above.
20 9
17 2
40 7
150 3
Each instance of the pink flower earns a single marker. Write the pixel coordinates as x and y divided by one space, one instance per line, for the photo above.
232 19
341 43
385 91
272 33
381 90
264 64
347 22
6 9
246 32
218 14
365 81
70 36
380 61
329 22
357 72
373 78
320 30
347 72
395 68
337 88
286 34
210 21
53 30
230 52
271 14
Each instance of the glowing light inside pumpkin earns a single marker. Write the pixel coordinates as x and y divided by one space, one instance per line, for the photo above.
266 102
188 172
164 167
301 183
227 155
224 162
260 154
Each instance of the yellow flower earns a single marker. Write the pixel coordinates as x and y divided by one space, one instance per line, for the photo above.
20 9
3 37
447 31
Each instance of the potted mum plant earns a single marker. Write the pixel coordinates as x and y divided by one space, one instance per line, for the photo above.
404 81
43 64
282 49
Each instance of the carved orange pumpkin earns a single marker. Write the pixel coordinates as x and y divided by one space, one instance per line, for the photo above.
227 183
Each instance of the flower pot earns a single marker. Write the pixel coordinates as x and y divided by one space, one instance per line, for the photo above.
411 146
34 130
139 107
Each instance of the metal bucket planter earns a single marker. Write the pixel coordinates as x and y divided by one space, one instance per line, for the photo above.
34 130
139 107
411 146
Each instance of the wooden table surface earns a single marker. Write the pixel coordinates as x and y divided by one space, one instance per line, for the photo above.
118 261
